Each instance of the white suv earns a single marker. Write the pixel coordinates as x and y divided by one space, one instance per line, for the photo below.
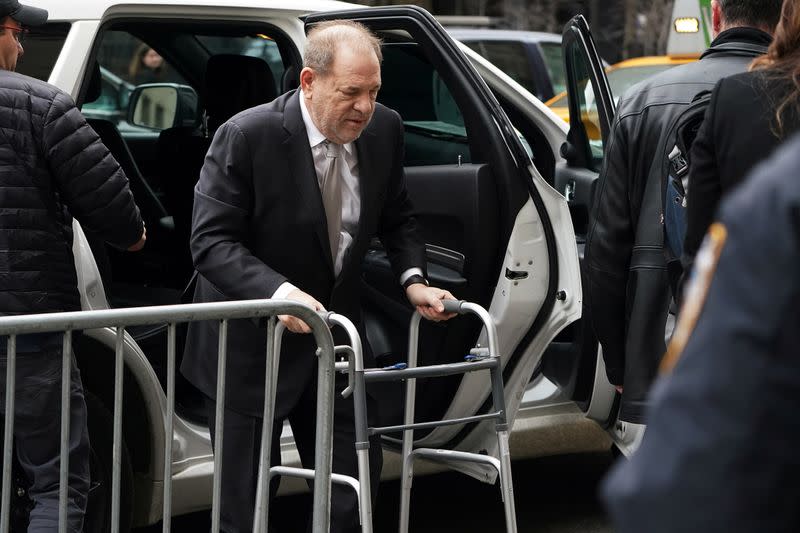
484 169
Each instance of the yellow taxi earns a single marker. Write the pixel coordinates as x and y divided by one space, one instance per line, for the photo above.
623 75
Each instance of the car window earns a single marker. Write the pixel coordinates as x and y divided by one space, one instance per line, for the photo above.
42 47
587 105
164 167
125 62
512 58
554 62
434 125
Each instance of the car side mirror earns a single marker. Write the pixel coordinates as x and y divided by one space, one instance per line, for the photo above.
160 106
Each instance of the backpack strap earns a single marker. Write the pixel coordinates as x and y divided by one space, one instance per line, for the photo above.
738 49
673 170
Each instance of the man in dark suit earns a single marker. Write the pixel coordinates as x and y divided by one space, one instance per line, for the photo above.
288 199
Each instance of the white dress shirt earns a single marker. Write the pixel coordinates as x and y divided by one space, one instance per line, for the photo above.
351 194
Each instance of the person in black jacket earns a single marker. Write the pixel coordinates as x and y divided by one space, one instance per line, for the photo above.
748 116
720 452
628 290
52 167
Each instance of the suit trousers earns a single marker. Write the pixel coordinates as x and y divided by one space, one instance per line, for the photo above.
242 441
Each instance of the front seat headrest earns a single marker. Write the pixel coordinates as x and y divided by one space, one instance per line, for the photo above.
235 83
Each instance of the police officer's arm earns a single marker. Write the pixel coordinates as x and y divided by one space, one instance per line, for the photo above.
90 182
608 252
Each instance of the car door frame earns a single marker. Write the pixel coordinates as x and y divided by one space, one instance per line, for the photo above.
577 179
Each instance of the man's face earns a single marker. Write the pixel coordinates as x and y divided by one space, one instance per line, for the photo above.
342 101
10 47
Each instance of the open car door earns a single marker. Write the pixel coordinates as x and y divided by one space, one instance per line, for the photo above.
496 233
575 365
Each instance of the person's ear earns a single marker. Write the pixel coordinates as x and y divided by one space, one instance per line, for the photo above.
307 76
717 19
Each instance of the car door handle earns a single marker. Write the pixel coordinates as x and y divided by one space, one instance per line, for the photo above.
569 190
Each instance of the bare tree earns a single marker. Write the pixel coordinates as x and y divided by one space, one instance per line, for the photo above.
629 35
532 15
655 31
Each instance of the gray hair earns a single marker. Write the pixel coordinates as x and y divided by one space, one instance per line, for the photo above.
325 38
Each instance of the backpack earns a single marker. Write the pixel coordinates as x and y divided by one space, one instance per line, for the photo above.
675 182
676 163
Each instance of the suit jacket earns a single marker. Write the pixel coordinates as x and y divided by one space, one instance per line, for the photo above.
258 221
739 131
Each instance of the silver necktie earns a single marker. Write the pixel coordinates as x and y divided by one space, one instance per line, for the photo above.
331 189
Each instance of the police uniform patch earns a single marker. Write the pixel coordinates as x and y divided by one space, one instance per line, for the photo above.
696 293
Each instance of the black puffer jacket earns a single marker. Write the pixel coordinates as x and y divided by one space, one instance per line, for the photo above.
628 289
52 167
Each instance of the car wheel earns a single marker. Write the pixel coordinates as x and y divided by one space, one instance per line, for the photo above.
98 508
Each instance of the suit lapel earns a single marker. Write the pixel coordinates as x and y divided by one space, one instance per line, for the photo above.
301 166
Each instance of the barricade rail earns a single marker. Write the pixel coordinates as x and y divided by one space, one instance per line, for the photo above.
119 319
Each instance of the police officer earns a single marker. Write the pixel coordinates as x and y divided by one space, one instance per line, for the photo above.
722 448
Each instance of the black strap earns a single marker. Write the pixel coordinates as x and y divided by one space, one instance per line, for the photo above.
739 49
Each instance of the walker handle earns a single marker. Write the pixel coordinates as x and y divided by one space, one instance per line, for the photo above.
453 306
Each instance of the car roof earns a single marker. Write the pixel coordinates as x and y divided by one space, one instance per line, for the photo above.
94 9
489 34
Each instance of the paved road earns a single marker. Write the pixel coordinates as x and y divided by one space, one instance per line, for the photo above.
553 495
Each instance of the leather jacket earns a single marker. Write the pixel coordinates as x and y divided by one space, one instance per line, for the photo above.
628 289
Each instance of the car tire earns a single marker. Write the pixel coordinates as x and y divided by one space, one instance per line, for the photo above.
98 508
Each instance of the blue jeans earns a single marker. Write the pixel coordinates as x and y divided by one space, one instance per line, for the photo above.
37 430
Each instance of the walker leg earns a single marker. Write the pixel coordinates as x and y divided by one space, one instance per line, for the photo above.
405 492
506 483
365 492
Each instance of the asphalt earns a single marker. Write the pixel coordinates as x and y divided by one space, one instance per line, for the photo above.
553 495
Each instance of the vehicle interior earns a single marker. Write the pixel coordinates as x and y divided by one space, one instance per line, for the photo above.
452 152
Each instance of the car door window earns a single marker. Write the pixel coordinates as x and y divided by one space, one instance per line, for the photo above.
512 58
435 132
554 62
42 48
587 104
125 62
591 106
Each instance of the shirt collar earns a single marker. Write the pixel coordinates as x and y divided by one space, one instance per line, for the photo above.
315 136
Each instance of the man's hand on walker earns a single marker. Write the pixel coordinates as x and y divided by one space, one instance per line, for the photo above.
428 301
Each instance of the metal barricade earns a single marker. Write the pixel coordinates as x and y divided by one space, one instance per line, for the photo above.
66 323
